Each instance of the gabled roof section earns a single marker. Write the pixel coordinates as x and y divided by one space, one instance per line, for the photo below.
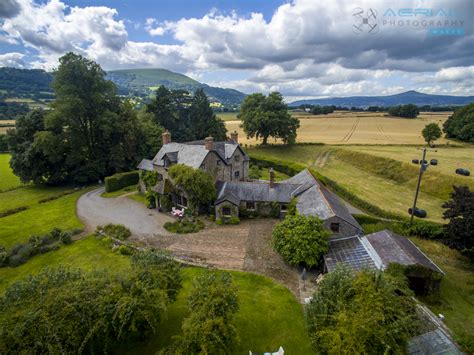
190 155
315 199
393 248
145 164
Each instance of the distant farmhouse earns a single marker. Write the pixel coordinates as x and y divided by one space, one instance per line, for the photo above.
228 164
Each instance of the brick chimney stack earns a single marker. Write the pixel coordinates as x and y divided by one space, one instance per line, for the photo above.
235 137
166 137
272 178
209 143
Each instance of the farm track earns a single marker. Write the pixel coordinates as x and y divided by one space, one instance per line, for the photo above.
322 158
349 134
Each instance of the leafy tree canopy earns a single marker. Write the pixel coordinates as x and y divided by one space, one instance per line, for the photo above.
88 134
461 124
187 117
406 111
209 329
301 239
267 116
71 311
431 132
364 313
197 184
460 212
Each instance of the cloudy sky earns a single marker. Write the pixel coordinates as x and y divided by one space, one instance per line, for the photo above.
303 48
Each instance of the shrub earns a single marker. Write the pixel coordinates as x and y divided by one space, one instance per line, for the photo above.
212 217
35 241
367 312
165 203
149 178
66 238
185 226
47 248
255 172
219 222
3 256
55 197
121 180
114 231
150 197
56 233
13 211
233 220
301 240
124 250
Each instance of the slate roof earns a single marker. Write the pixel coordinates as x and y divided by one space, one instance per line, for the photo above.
255 191
393 248
145 164
376 250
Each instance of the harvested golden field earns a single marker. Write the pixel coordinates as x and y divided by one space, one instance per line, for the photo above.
343 127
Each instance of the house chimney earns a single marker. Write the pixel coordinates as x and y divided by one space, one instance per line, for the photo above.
166 137
209 143
272 178
235 137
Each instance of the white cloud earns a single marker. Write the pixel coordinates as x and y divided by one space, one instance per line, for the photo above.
307 48
12 59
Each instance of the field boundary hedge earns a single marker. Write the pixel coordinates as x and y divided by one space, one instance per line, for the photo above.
291 168
121 180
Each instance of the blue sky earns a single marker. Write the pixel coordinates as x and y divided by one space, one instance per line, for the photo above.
303 48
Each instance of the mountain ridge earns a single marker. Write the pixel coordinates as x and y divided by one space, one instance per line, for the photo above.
403 98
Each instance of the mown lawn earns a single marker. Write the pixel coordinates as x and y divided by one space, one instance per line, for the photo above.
120 192
457 291
87 253
8 180
269 316
39 219
29 196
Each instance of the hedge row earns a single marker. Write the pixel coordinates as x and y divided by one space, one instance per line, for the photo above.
55 197
13 211
121 180
291 168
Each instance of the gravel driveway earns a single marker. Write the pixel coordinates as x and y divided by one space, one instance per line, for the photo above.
94 210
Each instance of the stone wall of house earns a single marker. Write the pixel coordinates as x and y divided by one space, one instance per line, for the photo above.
345 229
215 167
238 164
234 210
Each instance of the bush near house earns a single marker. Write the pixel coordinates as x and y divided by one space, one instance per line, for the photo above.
301 240
115 231
367 312
121 180
184 226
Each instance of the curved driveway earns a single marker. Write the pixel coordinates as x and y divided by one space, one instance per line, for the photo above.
94 210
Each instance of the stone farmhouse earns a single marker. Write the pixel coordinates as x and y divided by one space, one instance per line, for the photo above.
237 195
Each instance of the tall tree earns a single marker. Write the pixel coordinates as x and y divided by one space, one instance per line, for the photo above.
267 116
461 124
460 213
187 117
203 120
431 132
88 134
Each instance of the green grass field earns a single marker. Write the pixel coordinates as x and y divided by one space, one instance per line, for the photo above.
269 315
387 184
8 180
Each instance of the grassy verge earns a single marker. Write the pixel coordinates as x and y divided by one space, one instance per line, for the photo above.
120 192
139 197
8 180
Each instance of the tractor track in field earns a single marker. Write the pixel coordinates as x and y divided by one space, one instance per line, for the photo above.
382 132
349 134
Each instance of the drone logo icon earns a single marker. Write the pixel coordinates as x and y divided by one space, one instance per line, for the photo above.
364 21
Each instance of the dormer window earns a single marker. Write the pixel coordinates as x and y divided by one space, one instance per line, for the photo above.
237 158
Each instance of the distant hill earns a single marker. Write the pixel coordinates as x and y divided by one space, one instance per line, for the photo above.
408 97
36 84
144 81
